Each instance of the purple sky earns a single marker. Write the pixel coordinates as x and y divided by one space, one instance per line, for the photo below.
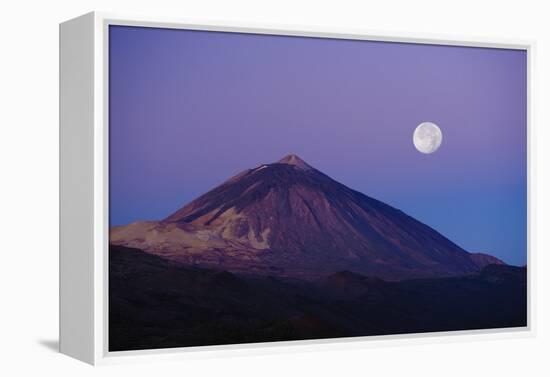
189 109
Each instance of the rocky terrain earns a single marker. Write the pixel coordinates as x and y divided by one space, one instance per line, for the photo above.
290 220
158 303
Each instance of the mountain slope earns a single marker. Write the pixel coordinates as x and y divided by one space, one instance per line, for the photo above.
289 219
154 303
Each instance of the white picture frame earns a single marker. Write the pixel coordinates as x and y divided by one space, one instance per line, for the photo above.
84 188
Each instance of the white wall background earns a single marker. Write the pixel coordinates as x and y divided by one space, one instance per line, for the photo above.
29 185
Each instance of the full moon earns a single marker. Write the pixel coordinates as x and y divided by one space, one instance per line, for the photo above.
427 137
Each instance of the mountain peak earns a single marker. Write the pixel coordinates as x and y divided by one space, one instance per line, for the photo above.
289 219
296 161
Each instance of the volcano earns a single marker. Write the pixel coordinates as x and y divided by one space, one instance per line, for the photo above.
289 219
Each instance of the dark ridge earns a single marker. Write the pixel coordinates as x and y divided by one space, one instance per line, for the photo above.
154 303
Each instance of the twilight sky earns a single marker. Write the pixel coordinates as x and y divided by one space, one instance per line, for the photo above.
189 109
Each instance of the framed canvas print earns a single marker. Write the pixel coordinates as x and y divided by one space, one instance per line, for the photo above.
231 186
